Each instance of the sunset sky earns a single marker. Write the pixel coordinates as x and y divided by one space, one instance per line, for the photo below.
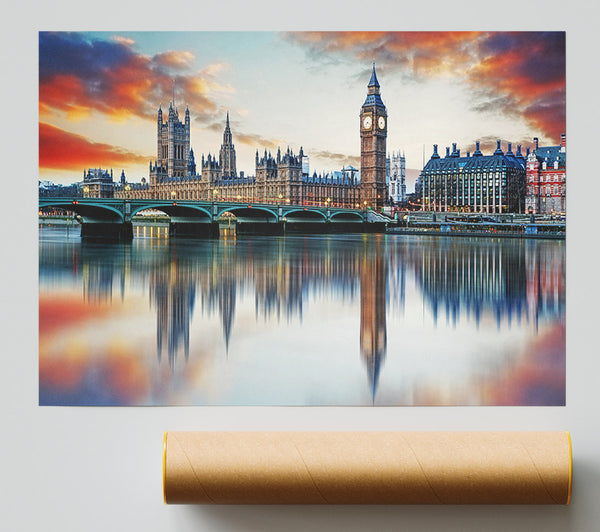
99 94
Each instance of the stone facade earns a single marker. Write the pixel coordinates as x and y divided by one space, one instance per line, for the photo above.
97 183
373 135
278 179
396 178
547 179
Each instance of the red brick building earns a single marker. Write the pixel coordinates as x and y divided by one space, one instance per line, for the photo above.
547 178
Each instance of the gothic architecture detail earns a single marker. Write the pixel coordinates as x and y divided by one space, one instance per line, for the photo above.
227 153
395 166
173 146
280 178
373 135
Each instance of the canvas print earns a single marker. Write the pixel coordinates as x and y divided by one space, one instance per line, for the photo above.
302 218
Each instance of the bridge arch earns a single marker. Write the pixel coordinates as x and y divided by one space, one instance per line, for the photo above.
347 216
245 213
180 210
96 211
305 213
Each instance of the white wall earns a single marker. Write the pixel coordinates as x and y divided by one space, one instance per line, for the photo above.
99 469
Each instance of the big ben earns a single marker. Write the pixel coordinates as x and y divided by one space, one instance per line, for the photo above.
373 135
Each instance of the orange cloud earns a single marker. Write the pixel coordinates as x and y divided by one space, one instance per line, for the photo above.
59 149
520 73
79 75
175 59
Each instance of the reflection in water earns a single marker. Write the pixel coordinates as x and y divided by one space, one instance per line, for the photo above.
510 281
373 339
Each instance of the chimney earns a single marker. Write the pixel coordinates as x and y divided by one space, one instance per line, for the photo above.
435 153
454 148
447 151
528 150
468 154
536 143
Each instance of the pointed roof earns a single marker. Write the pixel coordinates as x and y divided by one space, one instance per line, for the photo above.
373 81
373 95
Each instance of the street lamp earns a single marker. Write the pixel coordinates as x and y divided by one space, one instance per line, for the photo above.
173 194
127 189
280 197
86 191
215 193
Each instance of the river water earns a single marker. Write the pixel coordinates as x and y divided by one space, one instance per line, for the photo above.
300 320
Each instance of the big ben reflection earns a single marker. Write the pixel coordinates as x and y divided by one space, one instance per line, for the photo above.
373 332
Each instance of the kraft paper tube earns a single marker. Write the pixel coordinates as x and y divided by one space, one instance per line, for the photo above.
367 467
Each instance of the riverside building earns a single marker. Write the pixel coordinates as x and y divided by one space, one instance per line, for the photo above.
474 183
547 178
97 183
279 178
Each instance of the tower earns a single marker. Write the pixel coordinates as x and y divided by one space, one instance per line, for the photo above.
373 135
396 177
173 144
227 153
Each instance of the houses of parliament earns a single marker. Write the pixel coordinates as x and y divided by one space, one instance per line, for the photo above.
283 177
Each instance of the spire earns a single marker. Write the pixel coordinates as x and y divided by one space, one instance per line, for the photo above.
373 93
373 81
227 137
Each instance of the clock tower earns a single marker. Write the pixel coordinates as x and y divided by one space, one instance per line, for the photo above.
373 135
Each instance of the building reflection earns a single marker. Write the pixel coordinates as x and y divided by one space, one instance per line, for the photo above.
373 333
463 279
517 280
172 294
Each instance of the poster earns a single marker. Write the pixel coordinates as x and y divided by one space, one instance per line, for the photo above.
302 218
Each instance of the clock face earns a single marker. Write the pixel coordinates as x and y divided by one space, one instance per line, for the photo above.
381 122
367 122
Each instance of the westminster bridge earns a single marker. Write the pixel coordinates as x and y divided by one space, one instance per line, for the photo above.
112 218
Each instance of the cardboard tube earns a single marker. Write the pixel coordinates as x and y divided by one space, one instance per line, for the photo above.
367 467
